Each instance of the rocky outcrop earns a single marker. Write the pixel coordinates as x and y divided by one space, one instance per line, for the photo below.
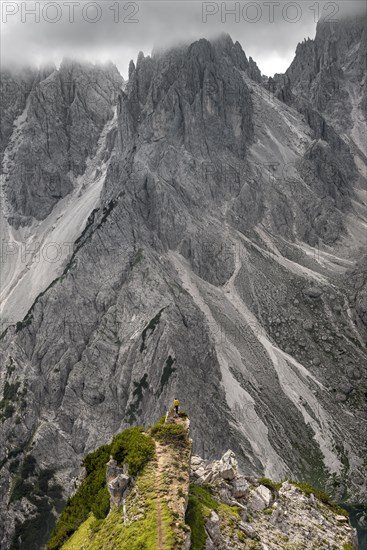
221 509
269 516
207 472
254 71
118 483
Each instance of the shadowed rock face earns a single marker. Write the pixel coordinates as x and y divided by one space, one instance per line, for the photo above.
118 483
192 96
65 113
14 91
212 268
329 72
358 281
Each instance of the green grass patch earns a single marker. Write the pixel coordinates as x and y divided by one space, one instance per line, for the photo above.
205 495
320 495
78 538
170 434
141 534
196 515
308 490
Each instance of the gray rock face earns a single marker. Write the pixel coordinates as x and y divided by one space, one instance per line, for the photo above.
215 538
66 111
118 483
259 499
357 279
216 213
328 72
14 89
225 468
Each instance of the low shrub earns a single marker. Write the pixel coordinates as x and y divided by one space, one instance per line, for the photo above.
320 495
170 434
308 490
134 448
91 495
272 485
201 502
196 516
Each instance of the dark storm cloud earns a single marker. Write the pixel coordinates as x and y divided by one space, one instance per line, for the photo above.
38 32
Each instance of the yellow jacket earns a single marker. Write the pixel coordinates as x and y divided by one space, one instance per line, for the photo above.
176 403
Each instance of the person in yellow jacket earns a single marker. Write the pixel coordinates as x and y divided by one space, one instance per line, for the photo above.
176 404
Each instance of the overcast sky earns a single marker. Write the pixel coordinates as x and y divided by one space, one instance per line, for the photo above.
38 32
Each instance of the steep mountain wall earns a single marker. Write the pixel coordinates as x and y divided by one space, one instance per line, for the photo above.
208 260
329 72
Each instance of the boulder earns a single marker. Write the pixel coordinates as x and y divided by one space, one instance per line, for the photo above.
255 503
313 292
225 495
265 494
240 487
249 531
215 539
208 477
200 472
196 461
112 470
259 499
229 458
117 488
341 518
226 471
118 483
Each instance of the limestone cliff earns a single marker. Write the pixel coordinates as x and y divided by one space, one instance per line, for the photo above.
329 73
204 238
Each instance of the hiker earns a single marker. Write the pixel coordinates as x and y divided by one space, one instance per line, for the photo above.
176 404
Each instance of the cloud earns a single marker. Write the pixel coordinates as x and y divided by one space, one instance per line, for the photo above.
44 31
